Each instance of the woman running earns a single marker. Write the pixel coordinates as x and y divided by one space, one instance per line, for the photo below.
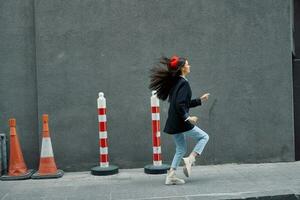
169 80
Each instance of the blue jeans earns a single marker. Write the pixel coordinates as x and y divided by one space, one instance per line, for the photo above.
180 141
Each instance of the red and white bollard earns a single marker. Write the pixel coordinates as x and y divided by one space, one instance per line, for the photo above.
157 167
156 130
104 168
102 131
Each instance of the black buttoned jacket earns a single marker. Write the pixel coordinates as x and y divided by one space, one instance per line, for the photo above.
180 102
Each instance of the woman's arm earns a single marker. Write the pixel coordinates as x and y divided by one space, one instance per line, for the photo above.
195 102
198 102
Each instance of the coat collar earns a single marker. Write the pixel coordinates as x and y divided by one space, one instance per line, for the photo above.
183 77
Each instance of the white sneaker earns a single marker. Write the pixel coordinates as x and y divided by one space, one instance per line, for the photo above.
188 162
171 179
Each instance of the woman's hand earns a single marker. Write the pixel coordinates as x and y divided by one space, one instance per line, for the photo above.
204 97
193 120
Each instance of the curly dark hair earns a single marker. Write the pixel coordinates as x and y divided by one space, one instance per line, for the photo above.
164 75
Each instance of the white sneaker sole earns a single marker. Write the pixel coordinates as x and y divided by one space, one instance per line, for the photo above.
185 171
174 183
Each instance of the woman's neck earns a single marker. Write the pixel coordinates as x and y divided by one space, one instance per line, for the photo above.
183 75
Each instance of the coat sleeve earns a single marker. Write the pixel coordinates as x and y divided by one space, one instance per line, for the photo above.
181 101
195 102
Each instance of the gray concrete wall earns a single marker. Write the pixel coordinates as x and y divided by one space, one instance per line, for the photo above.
18 97
240 52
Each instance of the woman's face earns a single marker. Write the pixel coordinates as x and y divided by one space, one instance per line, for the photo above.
186 68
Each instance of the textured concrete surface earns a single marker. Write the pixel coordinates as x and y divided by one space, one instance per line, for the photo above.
230 181
240 52
18 97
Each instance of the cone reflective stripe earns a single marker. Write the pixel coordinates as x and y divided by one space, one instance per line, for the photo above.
103 145
104 168
46 148
47 167
155 111
158 167
17 168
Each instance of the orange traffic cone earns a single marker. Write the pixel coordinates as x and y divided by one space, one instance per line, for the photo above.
17 167
47 168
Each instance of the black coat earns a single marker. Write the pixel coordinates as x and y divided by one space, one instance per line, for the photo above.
180 102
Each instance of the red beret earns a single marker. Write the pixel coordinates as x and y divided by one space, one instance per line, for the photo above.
174 62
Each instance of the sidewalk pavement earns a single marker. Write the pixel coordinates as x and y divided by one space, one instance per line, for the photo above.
229 181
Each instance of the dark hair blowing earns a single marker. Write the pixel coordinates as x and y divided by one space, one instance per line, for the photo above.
163 77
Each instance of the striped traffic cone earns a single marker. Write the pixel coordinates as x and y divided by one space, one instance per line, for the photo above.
105 168
157 167
47 168
17 167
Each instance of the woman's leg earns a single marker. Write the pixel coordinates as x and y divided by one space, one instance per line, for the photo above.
180 150
202 138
